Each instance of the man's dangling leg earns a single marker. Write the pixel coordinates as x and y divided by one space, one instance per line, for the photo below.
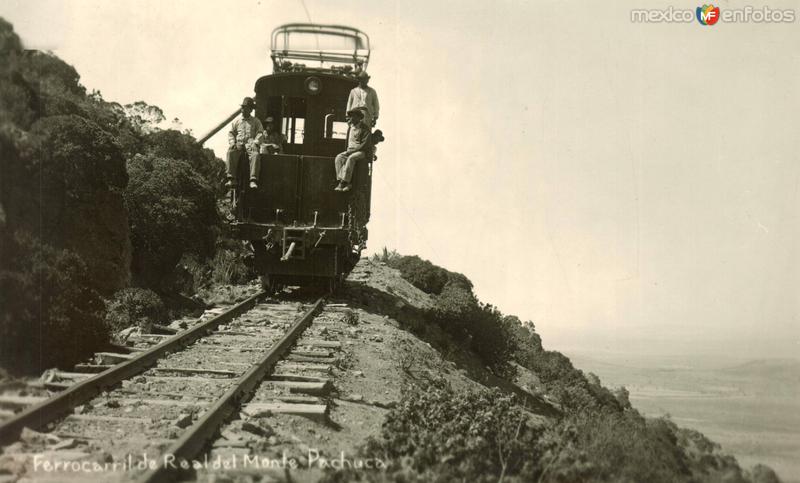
255 168
339 163
231 167
347 175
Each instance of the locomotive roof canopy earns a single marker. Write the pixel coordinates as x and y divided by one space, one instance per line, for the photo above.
338 49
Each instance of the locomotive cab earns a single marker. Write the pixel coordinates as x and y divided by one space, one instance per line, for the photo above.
301 230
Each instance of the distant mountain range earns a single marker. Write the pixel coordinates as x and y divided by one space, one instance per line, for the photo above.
779 370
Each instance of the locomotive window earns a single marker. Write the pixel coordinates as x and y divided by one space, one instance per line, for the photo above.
335 126
293 120
294 129
339 130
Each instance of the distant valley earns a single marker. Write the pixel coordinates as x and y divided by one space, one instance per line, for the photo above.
750 407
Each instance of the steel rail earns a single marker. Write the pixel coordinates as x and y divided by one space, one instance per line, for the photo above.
39 415
195 438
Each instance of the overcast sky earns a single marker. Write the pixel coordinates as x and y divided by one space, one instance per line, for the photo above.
627 187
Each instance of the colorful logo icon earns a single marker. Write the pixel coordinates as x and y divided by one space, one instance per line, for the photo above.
708 14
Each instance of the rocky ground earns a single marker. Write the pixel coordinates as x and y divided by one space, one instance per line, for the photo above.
385 343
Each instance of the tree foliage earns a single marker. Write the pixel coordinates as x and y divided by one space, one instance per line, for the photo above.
51 316
66 159
172 211
177 145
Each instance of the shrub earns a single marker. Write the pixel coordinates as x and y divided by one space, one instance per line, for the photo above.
385 256
437 433
459 313
51 316
53 73
135 307
624 446
173 144
172 212
763 474
525 341
569 385
228 266
77 154
9 41
479 326
426 276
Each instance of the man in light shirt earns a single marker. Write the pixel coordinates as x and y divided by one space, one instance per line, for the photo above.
365 96
244 137
359 148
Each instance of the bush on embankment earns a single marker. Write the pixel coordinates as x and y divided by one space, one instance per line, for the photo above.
439 434
51 315
135 307
600 437
172 212
69 164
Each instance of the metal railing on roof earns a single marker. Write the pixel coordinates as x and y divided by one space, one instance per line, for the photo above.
351 59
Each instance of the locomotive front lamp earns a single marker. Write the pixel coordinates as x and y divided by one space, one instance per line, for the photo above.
313 85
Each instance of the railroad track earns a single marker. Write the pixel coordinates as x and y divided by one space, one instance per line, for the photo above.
176 398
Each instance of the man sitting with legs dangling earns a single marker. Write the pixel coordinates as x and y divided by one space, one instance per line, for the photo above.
359 147
244 137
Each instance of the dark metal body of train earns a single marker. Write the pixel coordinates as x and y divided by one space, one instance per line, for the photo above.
301 230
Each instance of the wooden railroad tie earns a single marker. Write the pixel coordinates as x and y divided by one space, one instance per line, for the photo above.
302 358
225 380
108 419
297 377
310 388
6 414
192 370
312 353
299 399
71 375
327 344
92 368
19 401
175 396
160 402
113 357
290 366
317 412
236 333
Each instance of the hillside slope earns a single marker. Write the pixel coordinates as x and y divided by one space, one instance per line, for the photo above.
425 403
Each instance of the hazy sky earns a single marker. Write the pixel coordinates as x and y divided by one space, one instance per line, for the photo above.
627 187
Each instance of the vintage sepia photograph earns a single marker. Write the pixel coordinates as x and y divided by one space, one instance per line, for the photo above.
399 241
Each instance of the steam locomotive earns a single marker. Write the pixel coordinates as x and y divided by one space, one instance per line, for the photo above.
302 231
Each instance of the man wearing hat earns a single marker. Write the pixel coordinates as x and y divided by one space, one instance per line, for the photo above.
363 95
274 140
359 146
245 136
